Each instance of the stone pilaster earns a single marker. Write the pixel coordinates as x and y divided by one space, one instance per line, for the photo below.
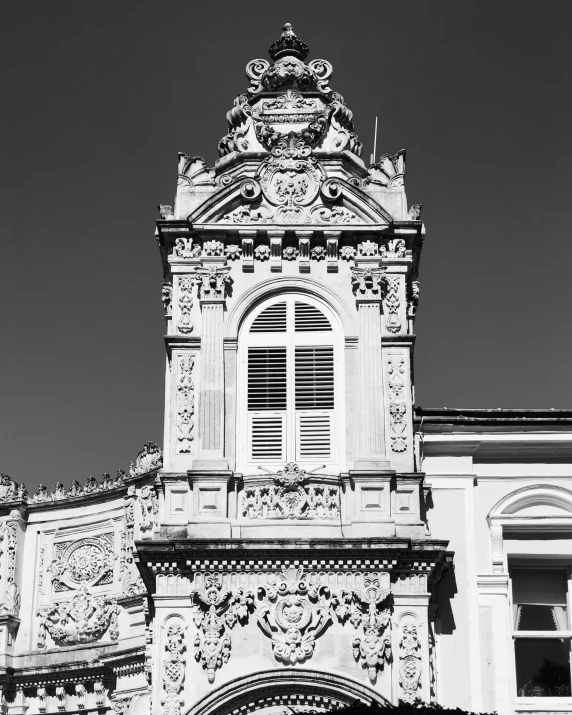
212 280
369 287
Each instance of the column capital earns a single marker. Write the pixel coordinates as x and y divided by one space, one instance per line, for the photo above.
369 284
212 283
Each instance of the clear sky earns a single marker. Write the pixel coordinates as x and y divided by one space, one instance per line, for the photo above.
98 98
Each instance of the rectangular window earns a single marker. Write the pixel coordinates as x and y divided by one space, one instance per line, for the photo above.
541 631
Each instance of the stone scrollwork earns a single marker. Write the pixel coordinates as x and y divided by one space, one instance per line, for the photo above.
369 283
174 669
294 610
83 619
389 171
393 248
368 610
10 603
413 299
149 510
409 662
148 459
217 610
81 562
167 298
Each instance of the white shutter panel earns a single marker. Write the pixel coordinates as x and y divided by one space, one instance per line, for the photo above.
314 400
267 400
270 320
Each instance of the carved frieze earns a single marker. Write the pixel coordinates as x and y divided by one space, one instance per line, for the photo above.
185 294
185 403
87 561
83 619
293 611
174 669
216 611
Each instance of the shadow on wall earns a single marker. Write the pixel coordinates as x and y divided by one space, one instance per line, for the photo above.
445 624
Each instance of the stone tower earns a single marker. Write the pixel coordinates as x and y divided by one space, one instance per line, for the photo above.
291 563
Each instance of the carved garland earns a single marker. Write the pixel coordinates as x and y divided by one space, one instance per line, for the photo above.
174 669
185 403
397 406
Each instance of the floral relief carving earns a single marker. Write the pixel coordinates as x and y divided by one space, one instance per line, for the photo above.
393 248
290 253
174 669
262 253
368 248
397 407
249 214
84 561
216 611
213 248
369 611
293 611
409 662
347 253
185 323
392 303
213 282
185 403
232 252
318 253
83 619
336 214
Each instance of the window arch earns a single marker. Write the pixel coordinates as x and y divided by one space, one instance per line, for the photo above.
289 383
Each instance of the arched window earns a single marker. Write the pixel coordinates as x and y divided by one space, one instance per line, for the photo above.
289 381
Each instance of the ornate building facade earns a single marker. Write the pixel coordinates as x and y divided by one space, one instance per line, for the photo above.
305 538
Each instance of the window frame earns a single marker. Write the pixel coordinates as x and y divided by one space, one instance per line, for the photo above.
291 339
523 563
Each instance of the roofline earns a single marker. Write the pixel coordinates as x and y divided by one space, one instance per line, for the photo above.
454 415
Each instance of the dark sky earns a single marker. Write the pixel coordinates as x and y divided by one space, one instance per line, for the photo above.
98 98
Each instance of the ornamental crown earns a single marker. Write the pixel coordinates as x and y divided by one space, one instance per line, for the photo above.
288 44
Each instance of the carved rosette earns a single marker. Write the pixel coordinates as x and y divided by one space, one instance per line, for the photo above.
294 610
87 561
174 669
369 611
216 612
185 404
83 619
409 661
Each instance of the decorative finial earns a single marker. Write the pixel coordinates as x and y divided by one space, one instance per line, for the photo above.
289 44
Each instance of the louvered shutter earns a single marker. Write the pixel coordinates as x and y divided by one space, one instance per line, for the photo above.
270 320
307 318
267 403
314 401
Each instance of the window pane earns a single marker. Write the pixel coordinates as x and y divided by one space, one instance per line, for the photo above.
539 598
266 379
542 667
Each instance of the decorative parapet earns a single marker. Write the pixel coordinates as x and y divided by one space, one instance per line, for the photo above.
290 498
11 490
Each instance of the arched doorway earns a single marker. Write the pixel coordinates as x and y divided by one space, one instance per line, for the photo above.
280 691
